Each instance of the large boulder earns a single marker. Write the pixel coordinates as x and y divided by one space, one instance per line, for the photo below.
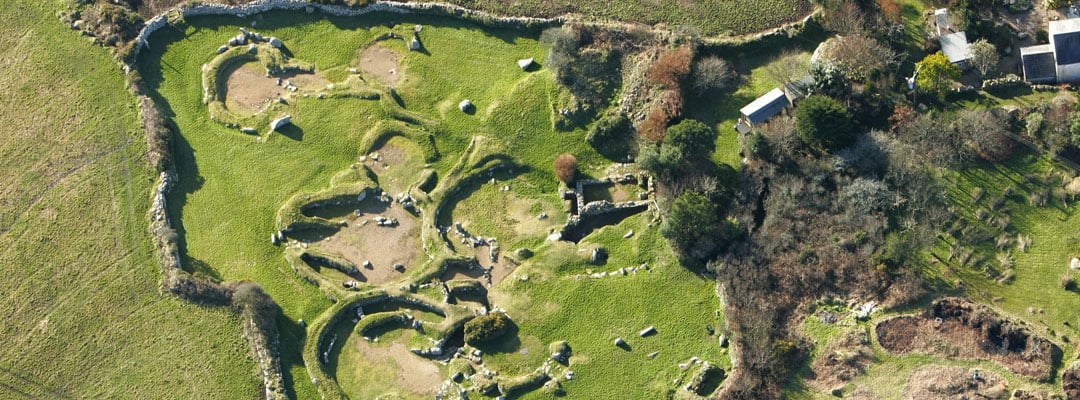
280 122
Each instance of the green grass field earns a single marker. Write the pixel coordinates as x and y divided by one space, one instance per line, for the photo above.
590 313
82 314
232 185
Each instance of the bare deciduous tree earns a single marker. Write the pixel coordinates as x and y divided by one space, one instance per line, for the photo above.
710 73
984 57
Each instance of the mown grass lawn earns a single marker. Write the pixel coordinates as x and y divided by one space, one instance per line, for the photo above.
83 316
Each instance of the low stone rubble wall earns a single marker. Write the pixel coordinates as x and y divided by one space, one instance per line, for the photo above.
260 6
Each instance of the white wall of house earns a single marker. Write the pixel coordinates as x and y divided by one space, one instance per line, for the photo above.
1068 73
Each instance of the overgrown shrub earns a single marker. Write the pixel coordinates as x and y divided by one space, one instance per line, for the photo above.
669 70
1033 124
486 328
202 291
158 152
696 228
984 135
613 137
824 122
654 128
254 304
686 150
565 167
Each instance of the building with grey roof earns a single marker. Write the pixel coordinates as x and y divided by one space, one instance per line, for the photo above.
1039 65
1058 61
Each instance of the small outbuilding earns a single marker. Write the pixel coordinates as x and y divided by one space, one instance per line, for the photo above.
526 64
955 46
1038 62
761 109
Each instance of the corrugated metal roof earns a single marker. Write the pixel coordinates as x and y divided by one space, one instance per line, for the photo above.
765 107
955 47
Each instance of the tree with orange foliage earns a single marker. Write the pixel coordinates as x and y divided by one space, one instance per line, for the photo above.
890 10
565 167
671 68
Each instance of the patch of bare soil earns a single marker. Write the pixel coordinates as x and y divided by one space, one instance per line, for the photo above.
1070 381
363 240
387 156
415 374
955 327
250 90
488 272
935 382
306 81
382 63
1027 394
844 359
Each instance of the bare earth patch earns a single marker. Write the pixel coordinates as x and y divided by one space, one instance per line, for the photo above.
306 81
382 63
935 382
363 240
388 156
845 358
250 90
415 374
957 328
500 268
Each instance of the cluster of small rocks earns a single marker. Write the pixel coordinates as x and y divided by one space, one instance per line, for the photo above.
619 272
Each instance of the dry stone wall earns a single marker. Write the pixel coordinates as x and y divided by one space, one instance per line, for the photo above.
260 6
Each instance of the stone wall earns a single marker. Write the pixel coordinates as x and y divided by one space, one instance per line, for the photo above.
260 6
